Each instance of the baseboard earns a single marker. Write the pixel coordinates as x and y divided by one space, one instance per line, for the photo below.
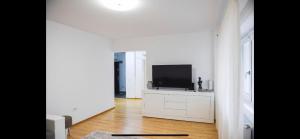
134 98
178 118
93 116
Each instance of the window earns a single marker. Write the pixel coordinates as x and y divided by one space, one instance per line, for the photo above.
248 68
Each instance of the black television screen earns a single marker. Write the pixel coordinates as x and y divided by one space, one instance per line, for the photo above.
178 76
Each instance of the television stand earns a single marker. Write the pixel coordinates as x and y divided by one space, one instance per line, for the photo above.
179 105
170 88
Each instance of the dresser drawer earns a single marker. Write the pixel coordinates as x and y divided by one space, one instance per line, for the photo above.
175 98
172 112
175 105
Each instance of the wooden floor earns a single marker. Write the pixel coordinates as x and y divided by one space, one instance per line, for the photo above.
127 117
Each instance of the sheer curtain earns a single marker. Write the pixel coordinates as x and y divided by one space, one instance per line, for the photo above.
227 78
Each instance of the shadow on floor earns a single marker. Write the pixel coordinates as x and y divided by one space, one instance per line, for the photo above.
122 94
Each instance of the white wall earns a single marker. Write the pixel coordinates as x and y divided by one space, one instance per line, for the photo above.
193 48
79 72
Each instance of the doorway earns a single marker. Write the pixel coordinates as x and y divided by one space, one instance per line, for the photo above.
119 71
130 74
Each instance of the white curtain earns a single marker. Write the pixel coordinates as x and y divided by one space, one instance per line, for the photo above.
227 81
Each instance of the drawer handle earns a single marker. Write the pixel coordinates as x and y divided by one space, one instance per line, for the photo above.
175 101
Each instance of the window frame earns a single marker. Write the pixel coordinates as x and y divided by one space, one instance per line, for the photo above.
248 98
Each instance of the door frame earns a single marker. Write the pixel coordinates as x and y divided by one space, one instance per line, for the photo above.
145 69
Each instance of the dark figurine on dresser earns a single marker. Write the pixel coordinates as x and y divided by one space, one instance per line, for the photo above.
199 84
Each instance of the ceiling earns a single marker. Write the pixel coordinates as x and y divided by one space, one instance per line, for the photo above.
153 17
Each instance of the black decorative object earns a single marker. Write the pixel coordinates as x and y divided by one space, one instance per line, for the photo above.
199 83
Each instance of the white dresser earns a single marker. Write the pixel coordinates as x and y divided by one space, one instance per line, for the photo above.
179 105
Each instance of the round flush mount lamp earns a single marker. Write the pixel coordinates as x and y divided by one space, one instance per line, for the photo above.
120 5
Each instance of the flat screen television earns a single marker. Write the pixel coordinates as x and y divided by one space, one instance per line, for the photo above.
176 76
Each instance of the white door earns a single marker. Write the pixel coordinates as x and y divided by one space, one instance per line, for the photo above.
135 74
139 74
130 74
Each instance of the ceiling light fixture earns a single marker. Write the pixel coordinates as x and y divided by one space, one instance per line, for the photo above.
120 5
